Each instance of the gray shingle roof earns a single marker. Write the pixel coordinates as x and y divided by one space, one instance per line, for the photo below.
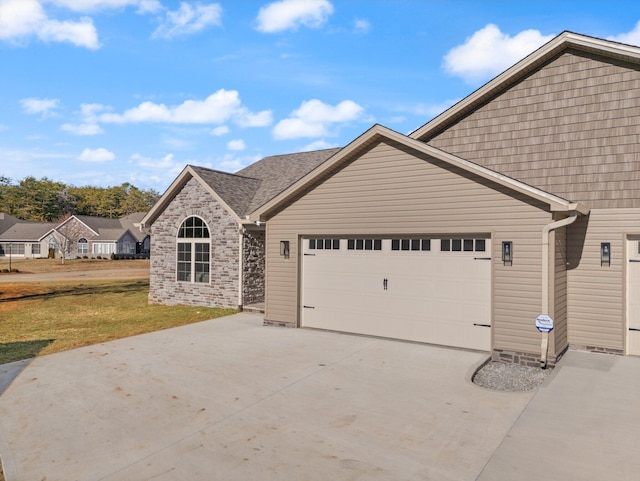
236 190
7 221
278 172
113 229
25 231
249 188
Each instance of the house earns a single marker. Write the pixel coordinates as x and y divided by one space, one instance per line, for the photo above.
77 235
23 239
515 211
205 251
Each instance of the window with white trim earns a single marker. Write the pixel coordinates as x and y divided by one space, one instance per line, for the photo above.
83 246
193 251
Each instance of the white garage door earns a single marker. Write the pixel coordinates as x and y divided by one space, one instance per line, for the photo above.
420 289
633 297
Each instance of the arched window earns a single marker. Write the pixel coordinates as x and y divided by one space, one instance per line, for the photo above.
83 246
193 251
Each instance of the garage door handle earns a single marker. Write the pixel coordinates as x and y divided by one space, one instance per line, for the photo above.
634 260
481 325
634 328
308 307
482 258
385 283
313 255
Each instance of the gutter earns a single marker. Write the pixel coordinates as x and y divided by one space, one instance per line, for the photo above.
546 231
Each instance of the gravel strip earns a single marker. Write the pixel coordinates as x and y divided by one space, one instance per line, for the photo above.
502 376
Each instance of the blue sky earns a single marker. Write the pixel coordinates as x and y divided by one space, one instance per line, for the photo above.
101 92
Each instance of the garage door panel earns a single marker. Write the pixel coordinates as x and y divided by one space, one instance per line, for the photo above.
428 296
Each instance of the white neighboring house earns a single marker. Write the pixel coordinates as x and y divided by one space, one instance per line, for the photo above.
76 236
22 238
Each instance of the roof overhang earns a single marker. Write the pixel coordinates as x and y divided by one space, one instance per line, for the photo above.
379 133
566 40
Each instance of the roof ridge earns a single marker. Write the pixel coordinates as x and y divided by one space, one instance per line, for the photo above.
221 172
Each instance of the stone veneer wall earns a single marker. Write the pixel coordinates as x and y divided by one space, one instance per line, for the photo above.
222 291
523 358
253 255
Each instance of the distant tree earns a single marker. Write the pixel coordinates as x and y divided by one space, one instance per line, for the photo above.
67 202
45 200
38 199
138 200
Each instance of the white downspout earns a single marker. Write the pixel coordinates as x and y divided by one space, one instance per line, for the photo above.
573 215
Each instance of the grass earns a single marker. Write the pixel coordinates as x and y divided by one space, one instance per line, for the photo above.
70 265
44 318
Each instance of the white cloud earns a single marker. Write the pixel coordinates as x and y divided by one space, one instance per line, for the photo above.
631 38
318 145
45 107
237 144
166 162
90 112
22 19
261 119
189 19
220 131
361 26
153 172
489 51
82 129
314 118
144 6
97 155
231 163
291 14
217 108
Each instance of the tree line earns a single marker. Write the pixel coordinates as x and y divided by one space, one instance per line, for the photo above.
43 200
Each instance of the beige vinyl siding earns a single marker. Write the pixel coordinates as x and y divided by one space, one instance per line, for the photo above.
559 295
596 294
389 191
570 128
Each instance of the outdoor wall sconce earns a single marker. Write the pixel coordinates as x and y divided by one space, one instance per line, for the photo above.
507 253
284 248
605 254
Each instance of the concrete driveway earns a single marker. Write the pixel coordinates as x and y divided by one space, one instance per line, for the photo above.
230 399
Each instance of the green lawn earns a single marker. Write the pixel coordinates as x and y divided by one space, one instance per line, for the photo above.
43 318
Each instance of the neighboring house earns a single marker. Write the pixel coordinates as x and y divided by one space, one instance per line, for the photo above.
21 238
76 236
204 250
521 200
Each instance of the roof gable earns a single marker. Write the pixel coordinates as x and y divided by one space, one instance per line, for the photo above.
379 133
246 190
555 47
